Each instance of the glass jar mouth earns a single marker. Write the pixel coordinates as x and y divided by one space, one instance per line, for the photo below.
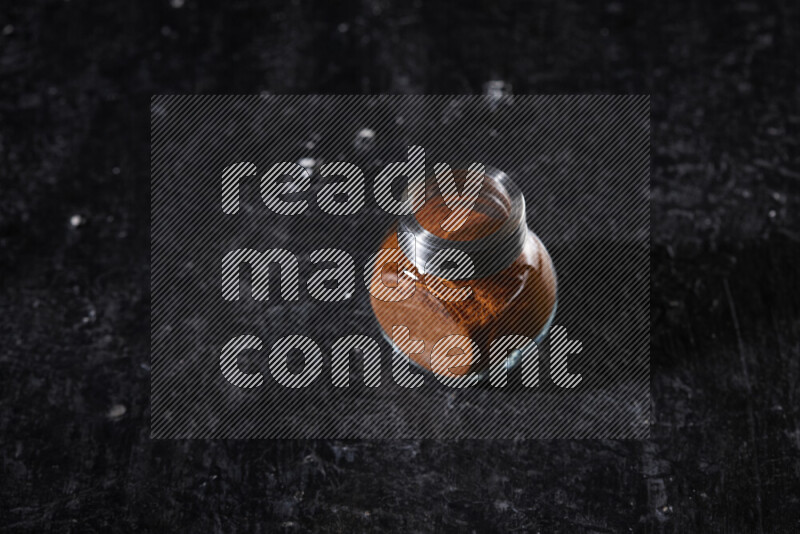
489 253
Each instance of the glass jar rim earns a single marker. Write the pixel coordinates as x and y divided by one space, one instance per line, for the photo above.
489 254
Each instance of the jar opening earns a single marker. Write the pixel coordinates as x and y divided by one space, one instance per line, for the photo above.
485 213
491 233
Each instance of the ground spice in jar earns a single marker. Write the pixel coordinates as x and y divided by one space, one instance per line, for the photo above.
513 290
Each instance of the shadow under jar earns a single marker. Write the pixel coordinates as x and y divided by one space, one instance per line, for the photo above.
513 283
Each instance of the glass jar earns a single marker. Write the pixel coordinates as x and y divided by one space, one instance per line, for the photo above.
512 288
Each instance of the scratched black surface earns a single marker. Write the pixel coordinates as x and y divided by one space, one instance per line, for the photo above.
75 80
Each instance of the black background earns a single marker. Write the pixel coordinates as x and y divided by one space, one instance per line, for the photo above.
76 78
590 206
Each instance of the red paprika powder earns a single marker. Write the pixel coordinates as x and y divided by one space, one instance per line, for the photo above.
513 285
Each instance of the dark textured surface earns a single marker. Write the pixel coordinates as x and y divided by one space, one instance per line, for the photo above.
75 80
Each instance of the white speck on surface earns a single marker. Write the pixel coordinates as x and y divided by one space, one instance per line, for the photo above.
310 145
343 27
90 316
772 214
497 92
502 506
116 411
76 220
115 170
365 138
307 163
496 88
366 133
177 4
8 29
